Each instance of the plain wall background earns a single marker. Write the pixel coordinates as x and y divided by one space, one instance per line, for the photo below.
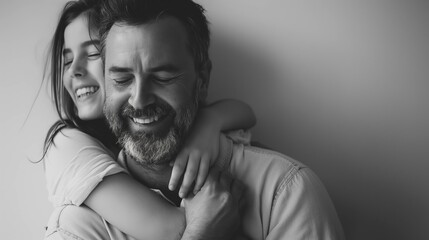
339 85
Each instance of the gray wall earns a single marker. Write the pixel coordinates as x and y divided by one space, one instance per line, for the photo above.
343 87
338 85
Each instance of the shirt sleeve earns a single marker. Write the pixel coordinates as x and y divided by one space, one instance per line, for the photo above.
74 165
302 209
240 136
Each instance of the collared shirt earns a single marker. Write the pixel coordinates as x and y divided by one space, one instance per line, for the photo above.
283 199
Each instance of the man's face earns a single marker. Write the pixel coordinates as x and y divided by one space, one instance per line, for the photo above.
152 88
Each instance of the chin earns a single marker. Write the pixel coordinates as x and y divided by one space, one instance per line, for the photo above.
90 115
149 150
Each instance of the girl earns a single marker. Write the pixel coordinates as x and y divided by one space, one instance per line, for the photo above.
80 150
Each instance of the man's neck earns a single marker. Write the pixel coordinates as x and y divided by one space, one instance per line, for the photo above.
156 177
151 176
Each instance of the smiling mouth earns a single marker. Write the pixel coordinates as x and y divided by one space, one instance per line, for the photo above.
86 91
148 120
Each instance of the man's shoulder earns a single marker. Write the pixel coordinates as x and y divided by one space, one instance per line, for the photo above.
283 193
271 157
245 147
264 167
257 164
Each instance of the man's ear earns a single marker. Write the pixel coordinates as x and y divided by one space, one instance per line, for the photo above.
204 80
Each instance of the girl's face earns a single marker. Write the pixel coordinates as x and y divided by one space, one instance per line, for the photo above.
83 70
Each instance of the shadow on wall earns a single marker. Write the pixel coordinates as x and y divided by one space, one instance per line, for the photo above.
244 72
306 114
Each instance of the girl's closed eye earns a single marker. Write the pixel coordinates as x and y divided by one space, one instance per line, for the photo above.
67 62
67 58
94 56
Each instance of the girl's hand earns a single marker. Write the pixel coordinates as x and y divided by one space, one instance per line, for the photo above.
214 212
202 147
199 153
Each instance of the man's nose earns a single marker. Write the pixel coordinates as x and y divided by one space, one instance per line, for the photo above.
142 94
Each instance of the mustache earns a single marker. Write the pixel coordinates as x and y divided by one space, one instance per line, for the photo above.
154 109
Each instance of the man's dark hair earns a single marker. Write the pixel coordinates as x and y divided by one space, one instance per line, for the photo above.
136 12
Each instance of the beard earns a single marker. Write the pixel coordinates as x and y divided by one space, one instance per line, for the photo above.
147 148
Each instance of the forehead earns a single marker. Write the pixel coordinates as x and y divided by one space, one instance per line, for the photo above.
77 31
158 42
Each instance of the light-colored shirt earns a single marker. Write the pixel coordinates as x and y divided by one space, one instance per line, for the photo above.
283 199
74 165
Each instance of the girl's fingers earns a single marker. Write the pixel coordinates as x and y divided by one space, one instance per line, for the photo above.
202 173
190 174
177 172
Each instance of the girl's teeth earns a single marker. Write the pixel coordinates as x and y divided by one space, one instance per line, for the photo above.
86 91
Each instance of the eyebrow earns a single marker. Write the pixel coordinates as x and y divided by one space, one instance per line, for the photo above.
161 68
164 68
94 42
115 69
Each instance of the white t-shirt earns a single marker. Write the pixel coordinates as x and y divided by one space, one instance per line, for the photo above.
74 165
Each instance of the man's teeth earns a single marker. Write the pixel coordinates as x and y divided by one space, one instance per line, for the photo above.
86 91
146 120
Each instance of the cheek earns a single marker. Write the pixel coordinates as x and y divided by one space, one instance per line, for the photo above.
115 99
67 81
180 96
102 87
96 69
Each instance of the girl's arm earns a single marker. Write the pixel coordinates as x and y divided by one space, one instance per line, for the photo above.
202 146
228 114
135 209
80 170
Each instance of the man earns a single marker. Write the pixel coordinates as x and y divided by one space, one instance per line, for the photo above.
157 72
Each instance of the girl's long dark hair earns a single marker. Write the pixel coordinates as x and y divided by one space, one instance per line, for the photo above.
64 105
